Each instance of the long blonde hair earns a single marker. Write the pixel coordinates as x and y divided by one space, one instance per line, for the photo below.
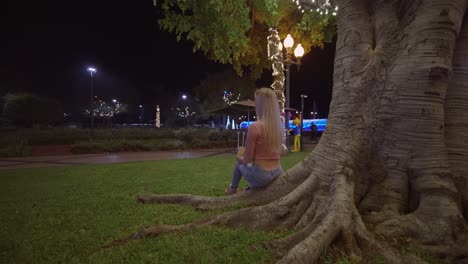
266 106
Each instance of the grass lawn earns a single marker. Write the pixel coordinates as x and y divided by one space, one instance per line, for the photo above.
65 214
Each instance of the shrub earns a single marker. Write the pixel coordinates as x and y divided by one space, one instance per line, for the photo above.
187 135
17 149
171 144
115 140
24 109
85 147
100 146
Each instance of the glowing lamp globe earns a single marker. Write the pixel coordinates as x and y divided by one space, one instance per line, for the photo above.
288 42
299 51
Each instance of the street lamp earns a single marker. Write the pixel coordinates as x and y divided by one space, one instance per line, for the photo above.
142 113
315 110
298 53
302 120
92 71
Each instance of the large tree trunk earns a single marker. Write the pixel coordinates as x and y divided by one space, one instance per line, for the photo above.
393 160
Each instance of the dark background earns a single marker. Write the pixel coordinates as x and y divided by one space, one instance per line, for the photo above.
46 47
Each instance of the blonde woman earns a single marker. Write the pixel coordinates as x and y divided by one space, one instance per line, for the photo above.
260 161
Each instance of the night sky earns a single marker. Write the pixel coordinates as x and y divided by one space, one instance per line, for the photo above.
48 45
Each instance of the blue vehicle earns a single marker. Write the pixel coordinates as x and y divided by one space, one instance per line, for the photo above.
307 123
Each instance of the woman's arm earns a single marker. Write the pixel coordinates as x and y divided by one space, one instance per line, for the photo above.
249 152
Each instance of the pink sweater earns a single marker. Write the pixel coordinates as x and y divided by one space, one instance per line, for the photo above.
255 146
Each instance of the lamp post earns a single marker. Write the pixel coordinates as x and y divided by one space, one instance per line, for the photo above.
302 120
92 71
298 53
115 106
142 113
315 111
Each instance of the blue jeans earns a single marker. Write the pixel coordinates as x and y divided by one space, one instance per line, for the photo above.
254 175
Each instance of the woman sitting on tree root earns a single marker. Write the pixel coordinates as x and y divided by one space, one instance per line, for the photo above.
259 163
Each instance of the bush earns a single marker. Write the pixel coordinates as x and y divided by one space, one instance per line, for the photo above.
116 140
108 146
187 135
101 146
171 144
26 110
17 149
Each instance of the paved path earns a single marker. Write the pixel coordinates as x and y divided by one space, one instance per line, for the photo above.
61 160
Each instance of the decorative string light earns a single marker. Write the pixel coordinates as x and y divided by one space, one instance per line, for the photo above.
230 98
103 109
158 118
276 57
184 112
323 7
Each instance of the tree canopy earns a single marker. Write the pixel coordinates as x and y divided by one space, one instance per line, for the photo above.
235 32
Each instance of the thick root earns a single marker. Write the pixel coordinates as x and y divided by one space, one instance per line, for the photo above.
248 198
283 185
320 206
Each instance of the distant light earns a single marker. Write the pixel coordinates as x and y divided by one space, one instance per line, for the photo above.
114 100
184 96
141 106
91 69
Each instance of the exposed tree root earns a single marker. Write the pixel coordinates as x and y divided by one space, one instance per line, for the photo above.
338 220
258 196
321 209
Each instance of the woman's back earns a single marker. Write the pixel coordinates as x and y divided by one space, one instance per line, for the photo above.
258 150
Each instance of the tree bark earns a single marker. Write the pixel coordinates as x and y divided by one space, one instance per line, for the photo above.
393 160
456 117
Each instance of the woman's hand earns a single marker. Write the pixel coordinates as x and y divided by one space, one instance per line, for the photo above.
240 154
